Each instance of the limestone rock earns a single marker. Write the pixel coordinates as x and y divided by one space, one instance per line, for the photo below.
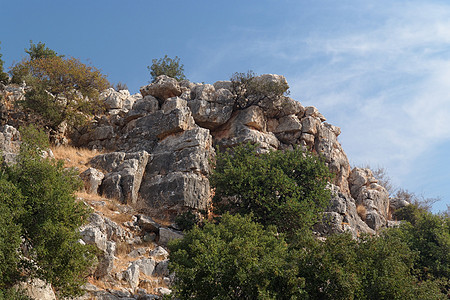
162 268
38 289
92 179
167 234
146 265
131 275
125 175
176 189
164 87
9 143
147 224
142 107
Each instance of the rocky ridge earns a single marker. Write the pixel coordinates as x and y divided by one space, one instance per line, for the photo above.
159 144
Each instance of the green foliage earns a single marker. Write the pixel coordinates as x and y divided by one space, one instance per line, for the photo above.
63 89
186 220
4 78
250 89
40 51
39 198
167 66
13 294
236 259
282 188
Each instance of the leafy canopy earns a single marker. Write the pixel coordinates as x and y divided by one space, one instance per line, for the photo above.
39 221
167 66
235 259
62 89
282 188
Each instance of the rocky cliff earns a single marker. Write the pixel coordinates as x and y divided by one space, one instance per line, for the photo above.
157 147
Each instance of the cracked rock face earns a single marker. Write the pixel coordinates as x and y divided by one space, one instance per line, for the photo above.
179 123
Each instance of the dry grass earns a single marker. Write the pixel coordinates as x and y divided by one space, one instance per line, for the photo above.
361 210
74 157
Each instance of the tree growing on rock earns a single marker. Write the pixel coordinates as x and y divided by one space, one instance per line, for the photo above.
39 221
167 66
282 188
61 89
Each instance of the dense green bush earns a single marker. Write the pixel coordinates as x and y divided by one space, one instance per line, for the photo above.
235 259
39 212
167 66
282 188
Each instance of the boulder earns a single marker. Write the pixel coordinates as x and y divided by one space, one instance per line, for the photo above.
38 289
175 189
92 179
147 224
142 107
125 175
162 88
146 265
131 275
166 235
9 143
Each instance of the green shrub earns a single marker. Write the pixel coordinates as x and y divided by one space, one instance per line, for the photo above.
282 188
186 220
235 259
167 66
39 211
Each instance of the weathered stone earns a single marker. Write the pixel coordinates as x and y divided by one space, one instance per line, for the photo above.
310 125
397 203
173 103
162 88
189 151
176 189
146 265
125 177
38 289
9 143
311 111
210 114
93 236
159 253
327 144
144 133
162 268
98 134
131 275
167 234
105 265
204 92
225 84
92 179
142 107
289 123
147 224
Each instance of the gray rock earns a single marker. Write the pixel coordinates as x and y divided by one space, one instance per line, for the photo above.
142 107
92 179
159 253
105 265
162 268
164 87
131 275
175 189
146 265
9 144
38 289
147 224
166 235
226 84
173 103
93 236
126 173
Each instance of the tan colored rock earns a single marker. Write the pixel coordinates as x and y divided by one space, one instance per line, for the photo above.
163 88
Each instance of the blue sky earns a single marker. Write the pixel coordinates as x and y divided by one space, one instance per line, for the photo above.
380 70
